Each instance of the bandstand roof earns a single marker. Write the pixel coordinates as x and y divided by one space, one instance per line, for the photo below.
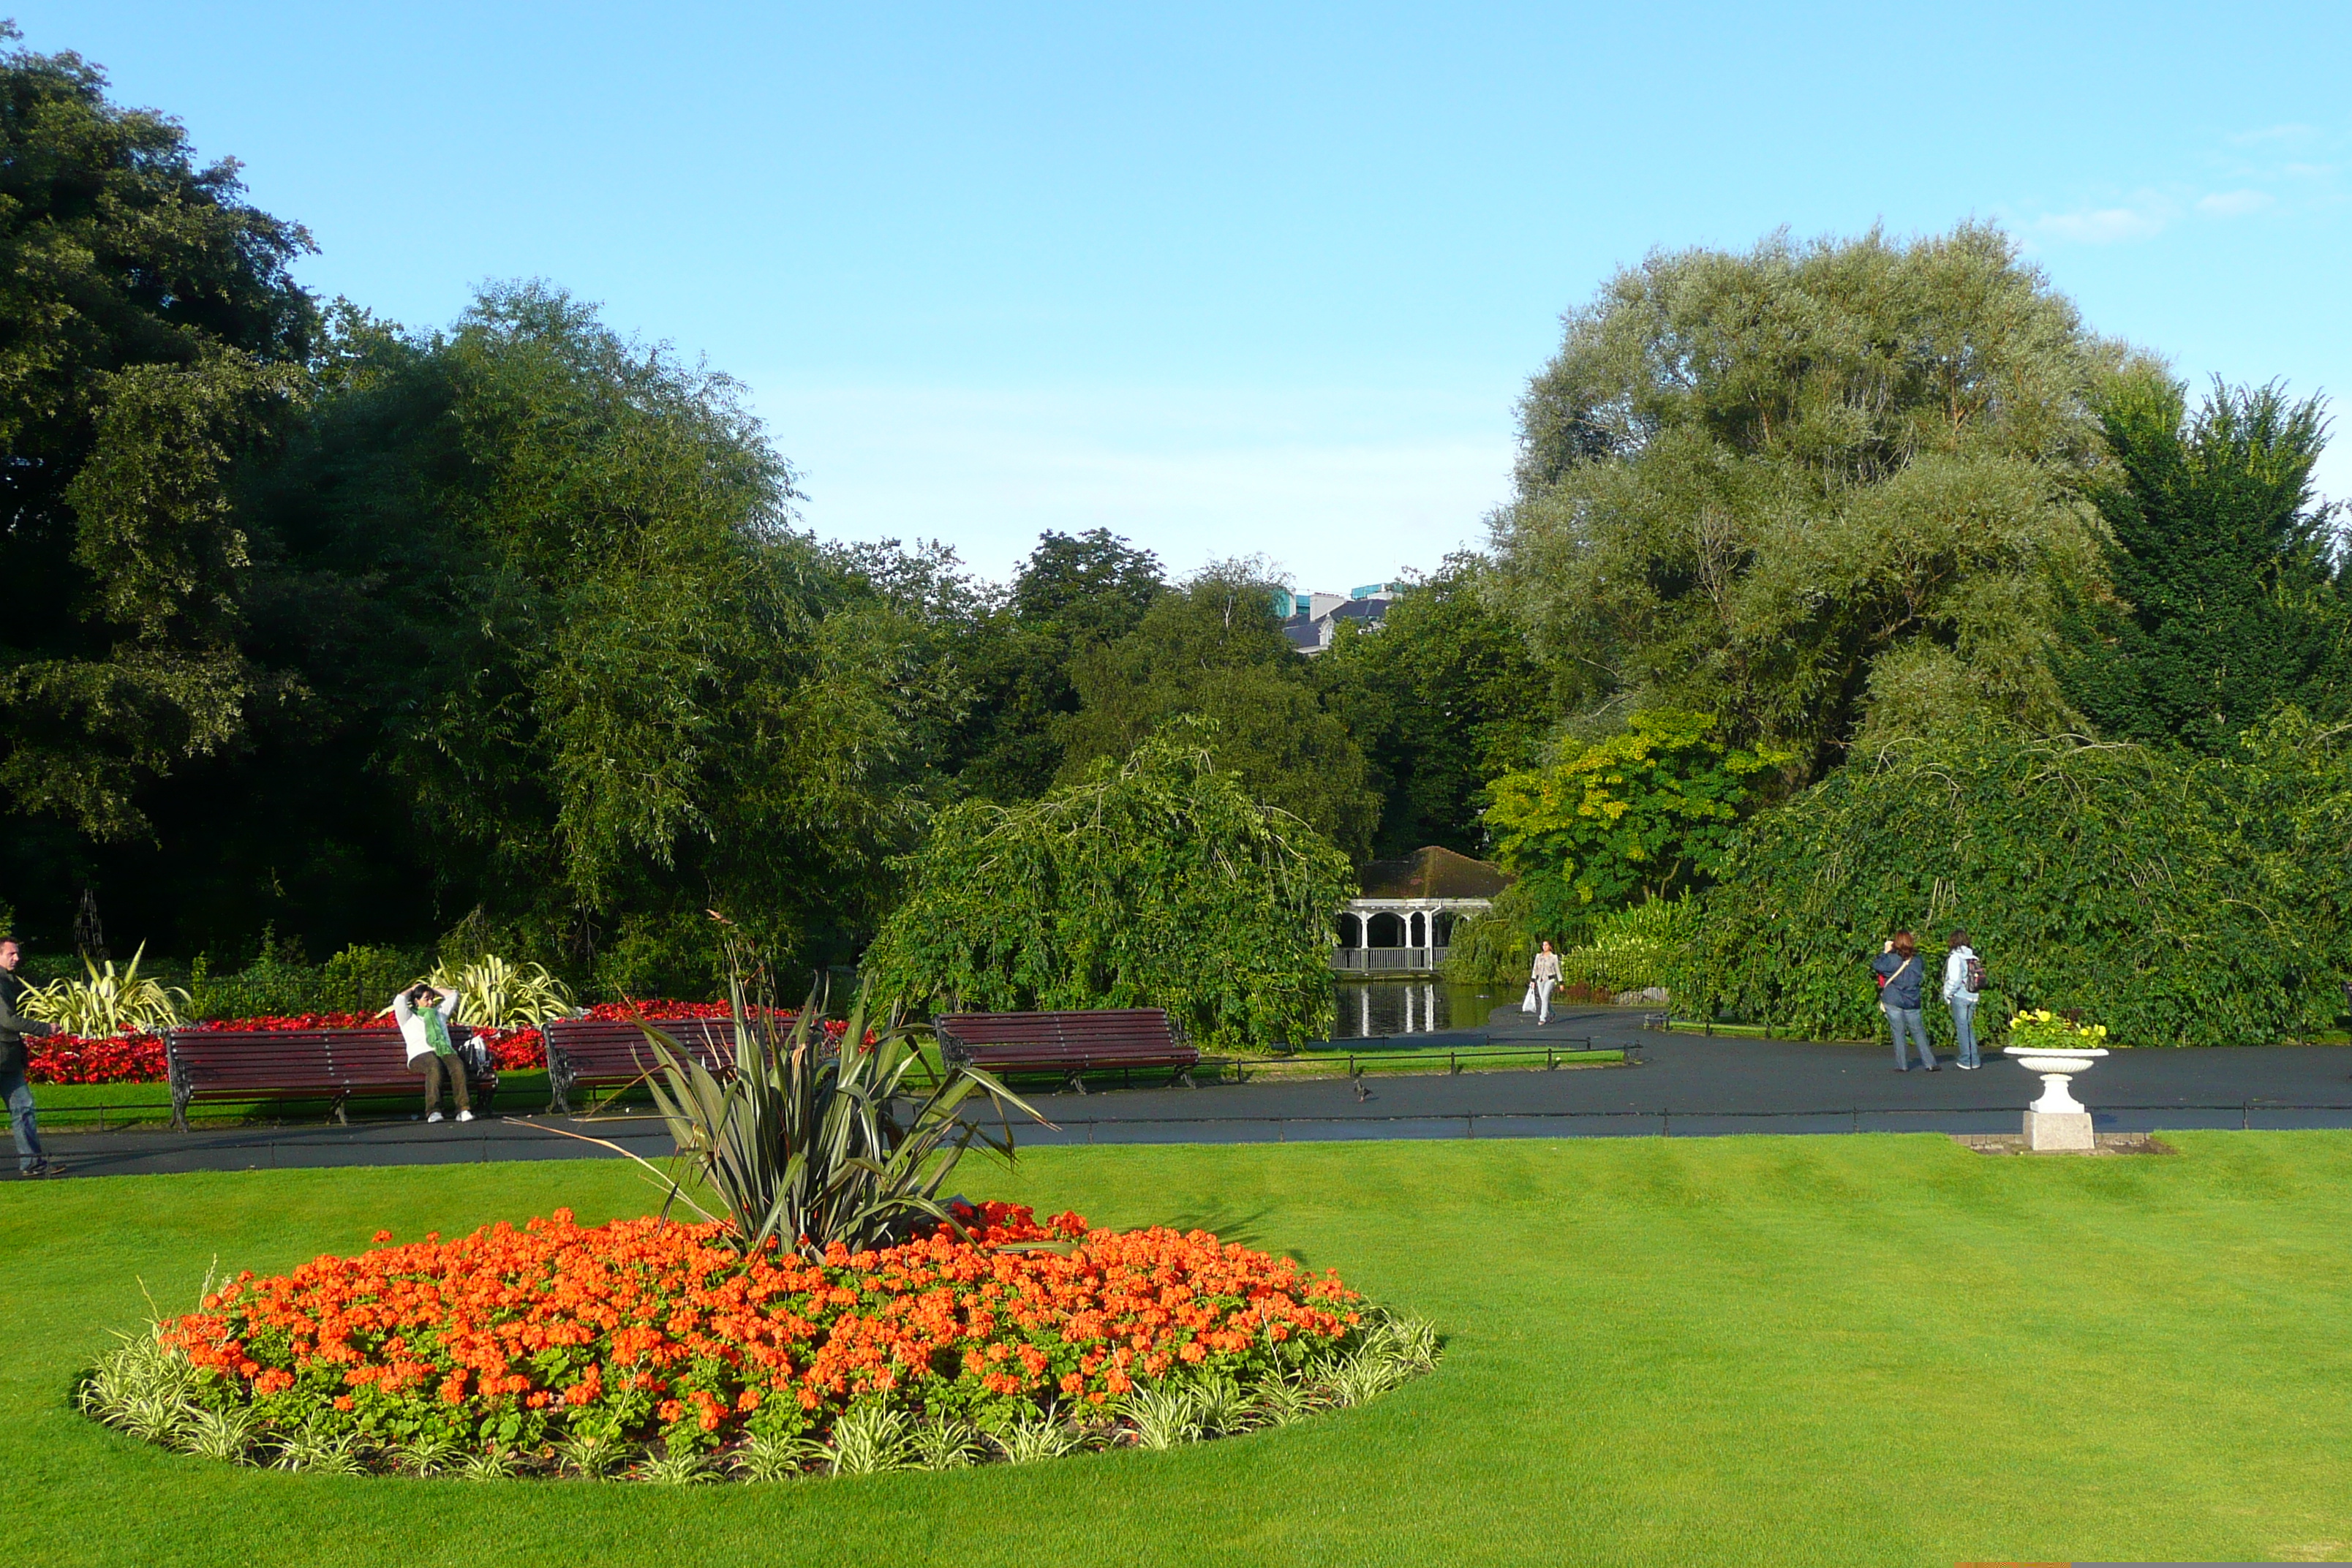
1434 873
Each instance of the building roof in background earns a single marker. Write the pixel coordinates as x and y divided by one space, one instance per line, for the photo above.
1434 873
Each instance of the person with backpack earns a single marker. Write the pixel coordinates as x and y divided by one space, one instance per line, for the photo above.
1897 971
1964 977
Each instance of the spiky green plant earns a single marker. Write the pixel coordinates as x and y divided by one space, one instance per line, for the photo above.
945 1442
495 994
106 1003
226 1434
767 1458
1278 1402
807 1146
1036 1434
428 1454
868 1440
674 1467
321 1453
493 1464
592 1454
1165 1412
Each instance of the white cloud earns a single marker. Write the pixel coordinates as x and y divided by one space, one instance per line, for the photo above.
2234 204
1340 486
2285 135
2105 226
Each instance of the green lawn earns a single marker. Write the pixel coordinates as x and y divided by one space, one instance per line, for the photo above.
1782 1351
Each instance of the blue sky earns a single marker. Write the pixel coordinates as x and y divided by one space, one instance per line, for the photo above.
1248 278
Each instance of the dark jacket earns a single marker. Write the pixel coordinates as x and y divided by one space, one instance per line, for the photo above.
1902 987
13 1028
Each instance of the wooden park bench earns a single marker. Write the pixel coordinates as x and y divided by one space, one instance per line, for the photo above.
334 1064
1071 1043
607 1053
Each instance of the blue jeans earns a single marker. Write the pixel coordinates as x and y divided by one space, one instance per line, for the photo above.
1899 1019
22 1123
1964 1024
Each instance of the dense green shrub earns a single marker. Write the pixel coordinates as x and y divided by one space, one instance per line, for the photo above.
2178 900
1627 949
1160 884
278 982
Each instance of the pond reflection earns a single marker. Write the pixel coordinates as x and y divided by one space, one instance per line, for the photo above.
1369 1009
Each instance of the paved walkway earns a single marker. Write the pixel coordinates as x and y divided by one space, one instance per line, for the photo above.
1688 1086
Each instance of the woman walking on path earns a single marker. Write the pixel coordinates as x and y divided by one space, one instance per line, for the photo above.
424 1014
1963 978
1545 976
1897 969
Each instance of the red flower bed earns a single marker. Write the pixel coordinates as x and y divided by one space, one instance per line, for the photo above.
139 1059
648 1328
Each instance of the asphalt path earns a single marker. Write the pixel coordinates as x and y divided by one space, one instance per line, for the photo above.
1685 1086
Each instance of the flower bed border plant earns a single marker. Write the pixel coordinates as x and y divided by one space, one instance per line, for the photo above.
649 1348
138 1057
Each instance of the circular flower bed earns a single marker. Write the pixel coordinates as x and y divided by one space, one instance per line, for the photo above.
566 1349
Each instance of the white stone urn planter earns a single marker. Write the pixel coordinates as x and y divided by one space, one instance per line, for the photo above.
2057 1120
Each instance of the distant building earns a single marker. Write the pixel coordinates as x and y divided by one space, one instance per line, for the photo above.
1403 921
1310 619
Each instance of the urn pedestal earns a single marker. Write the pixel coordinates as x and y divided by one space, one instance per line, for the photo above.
2057 1123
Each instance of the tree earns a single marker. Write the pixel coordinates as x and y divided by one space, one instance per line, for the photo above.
1813 490
546 587
151 340
2177 898
1076 593
1648 813
1441 697
2223 564
1157 883
1216 650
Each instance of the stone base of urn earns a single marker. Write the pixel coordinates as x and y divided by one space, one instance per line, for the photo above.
2059 1131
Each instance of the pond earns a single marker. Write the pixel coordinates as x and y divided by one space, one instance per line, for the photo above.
1371 1009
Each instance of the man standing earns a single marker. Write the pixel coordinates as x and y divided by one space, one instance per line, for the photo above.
1963 978
22 1121
1897 969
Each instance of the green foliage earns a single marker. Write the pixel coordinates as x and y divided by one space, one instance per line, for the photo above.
806 1148
1442 698
2178 901
1633 948
1644 813
2223 564
154 339
1159 884
494 994
105 1002
1500 945
280 981
1813 489
1076 593
1215 649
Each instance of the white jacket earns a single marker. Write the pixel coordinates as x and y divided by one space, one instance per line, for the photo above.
1546 968
1956 975
411 1027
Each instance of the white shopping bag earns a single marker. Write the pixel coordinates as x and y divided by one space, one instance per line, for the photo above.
1528 1005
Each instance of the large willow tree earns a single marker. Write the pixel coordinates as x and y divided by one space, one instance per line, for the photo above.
1156 883
1813 490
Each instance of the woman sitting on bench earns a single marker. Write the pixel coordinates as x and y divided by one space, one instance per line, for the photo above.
424 1014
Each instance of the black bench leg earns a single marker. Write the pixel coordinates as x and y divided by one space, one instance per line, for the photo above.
1184 1076
1078 1081
341 1101
179 1109
559 1084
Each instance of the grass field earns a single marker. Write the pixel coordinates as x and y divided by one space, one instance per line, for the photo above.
1782 1351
